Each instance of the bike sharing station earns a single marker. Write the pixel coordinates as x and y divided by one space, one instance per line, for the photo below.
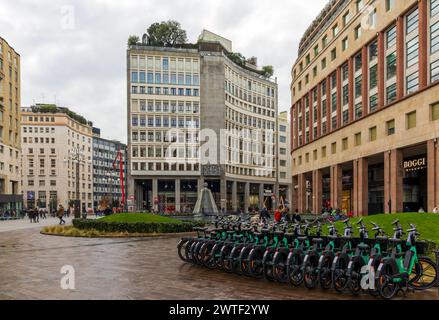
307 255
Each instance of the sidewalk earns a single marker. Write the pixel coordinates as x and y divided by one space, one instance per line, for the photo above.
11 225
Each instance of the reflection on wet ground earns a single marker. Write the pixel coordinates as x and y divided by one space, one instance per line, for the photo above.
30 265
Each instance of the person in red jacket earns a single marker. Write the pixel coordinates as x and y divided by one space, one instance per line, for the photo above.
277 215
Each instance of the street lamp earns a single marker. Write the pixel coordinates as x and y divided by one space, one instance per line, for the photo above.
77 156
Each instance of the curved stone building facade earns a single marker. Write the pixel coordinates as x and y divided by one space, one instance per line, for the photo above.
365 108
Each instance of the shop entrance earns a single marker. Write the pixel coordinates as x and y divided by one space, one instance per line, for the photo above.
415 183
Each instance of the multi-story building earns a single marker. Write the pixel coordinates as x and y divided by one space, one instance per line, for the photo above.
365 108
190 115
284 158
107 180
10 145
53 140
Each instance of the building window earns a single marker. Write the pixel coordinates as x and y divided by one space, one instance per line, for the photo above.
435 111
390 127
345 94
316 50
323 63
325 41
358 139
345 44
373 134
410 119
373 51
334 102
391 37
391 65
391 93
358 62
359 5
324 152
345 117
357 32
373 76
358 110
434 7
412 52
334 122
345 144
345 72
412 82
358 86
373 103
434 38
346 18
334 54
335 30
334 148
412 21
390 4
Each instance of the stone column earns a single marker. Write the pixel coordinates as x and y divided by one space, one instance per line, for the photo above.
393 181
317 191
381 70
361 187
223 186
155 193
234 196
294 194
247 197
424 34
336 186
433 174
301 193
261 196
400 54
177 195
365 81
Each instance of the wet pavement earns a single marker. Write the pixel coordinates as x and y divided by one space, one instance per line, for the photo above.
30 265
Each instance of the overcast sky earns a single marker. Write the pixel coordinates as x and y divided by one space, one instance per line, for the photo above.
75 51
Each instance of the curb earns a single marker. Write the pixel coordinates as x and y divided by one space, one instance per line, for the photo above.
157 235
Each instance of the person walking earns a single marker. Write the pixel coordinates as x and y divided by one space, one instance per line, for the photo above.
60 215
36 215
277 215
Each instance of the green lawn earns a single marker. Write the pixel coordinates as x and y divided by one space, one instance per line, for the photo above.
138 217
426 223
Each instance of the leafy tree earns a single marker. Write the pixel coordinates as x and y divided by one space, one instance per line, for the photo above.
166 33
267 71
237 58
133 40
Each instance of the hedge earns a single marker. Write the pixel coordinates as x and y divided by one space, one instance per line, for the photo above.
137 227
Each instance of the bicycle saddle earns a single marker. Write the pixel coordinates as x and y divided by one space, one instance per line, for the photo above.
363 246
289 235
265 230
317 240
382 238
279 233
394 240
302 238
257 234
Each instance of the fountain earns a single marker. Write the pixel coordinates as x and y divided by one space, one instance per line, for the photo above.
205 208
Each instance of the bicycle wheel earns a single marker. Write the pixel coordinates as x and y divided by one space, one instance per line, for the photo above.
424 275
234 259
181 249
325 275
225 258
256 268
267 262
294 264
205 254
280 266
340 273
310 276
387 286
354 281
243 261
216 255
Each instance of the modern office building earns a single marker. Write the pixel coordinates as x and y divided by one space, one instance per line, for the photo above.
365 108
284 158
198 115
107 179
53 139
10 144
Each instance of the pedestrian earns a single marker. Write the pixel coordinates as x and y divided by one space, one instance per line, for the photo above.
60 215
277 215
36 215
30 215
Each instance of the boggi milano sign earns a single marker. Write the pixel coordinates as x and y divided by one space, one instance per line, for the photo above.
415 164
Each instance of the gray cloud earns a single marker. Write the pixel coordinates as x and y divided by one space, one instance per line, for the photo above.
81 58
